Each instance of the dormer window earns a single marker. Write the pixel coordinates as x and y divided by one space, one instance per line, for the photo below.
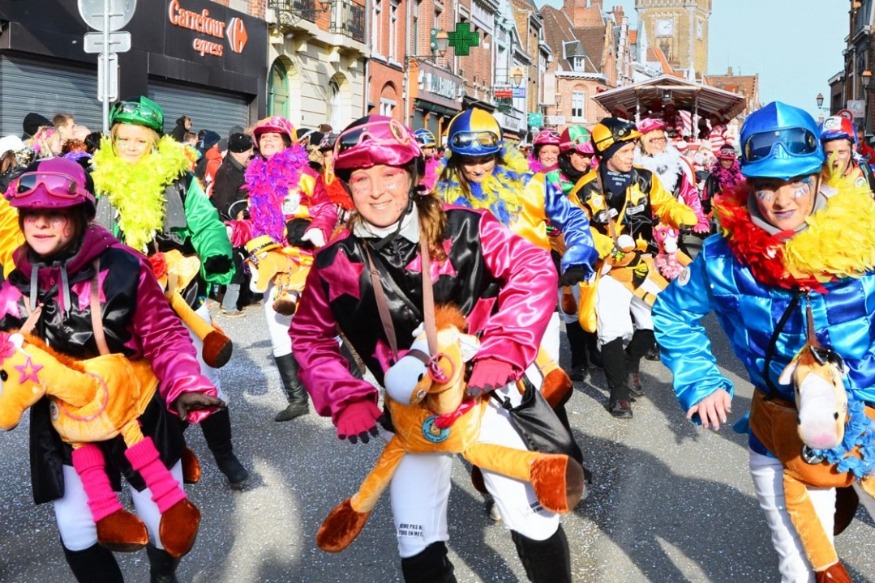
578 64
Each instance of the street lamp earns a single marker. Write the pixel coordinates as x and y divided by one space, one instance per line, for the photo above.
819 100
517 76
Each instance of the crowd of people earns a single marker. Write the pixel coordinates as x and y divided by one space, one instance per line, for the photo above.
348 239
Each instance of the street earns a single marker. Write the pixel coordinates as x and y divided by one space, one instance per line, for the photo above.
670 502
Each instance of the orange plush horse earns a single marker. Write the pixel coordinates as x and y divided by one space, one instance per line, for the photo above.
425 395
286 267
91 401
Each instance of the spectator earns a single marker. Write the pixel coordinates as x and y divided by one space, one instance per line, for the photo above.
65 124
211 159
32 123
183 125
866 151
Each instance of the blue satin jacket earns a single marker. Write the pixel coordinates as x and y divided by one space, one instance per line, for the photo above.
749 312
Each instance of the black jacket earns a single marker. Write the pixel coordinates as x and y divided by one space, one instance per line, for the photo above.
229 197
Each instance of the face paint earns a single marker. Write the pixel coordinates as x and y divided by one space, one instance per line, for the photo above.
766 195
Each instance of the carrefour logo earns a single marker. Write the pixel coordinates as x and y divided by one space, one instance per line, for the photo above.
201 22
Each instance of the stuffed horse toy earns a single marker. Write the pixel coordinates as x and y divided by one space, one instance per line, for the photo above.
670 261
91 401
286 267
426 399
175 272
824 440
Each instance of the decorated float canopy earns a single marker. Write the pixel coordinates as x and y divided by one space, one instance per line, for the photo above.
654 94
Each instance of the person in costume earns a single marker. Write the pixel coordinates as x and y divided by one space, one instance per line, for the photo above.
843 164
725 175
48 293
150 200
483 172
782 253
575 160
328 185
502 283
545 151
428 145
623 202
285 209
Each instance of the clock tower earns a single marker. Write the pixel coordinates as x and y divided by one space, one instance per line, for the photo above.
680 29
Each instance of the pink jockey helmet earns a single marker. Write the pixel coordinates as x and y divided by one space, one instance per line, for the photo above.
547 138
650 124
51 184
372 140
276 125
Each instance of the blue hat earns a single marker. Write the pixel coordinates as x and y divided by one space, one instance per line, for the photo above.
780 141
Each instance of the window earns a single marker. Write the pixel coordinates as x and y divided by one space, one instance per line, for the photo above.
387 106
578 101
579 64
393 30
376 29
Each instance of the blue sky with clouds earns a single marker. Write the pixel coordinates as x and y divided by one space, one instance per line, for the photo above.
794 45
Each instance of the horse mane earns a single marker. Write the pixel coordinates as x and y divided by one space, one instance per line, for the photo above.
67 361
446 315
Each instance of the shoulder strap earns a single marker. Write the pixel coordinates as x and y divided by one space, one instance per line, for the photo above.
96 312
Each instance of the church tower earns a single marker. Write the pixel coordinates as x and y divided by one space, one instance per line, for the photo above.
680 29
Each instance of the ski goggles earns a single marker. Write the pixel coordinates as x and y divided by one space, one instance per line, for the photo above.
57 184
794 141
381 133
129 110
482 139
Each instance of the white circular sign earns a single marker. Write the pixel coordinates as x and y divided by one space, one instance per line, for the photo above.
93 12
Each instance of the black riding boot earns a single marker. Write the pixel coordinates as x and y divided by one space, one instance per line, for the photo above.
295 391
95 563
545 561
614 360
429 566
594 356
217 432
162 567
642 342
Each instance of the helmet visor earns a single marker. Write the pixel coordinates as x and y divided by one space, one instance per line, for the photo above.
482 139
380 133
57 184
794 141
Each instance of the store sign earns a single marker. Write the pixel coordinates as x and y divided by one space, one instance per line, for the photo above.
519 92
213 29
441 86
503 92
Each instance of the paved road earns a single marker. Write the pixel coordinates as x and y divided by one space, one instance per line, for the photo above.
670 503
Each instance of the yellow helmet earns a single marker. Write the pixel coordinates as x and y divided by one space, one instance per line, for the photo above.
611 130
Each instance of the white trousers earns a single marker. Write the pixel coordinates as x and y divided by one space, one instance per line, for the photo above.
616 307
767 475
420 490
277 325
211 373
77 528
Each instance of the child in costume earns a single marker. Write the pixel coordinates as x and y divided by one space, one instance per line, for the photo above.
504 286
150 200
545 151
428 145
789 244
286 211
50 292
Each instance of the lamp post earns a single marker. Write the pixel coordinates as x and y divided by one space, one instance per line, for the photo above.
819 100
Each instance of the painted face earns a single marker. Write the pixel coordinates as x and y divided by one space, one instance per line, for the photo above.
622 159
838 156
580 162
380 193
548 155
726 163
270 143
47 232
654 142
786 204
132 142
477 168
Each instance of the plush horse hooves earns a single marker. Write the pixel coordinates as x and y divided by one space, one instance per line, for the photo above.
178 528
191 467
557 388
122 532
217 349
285 307
341 527
558 482
835 573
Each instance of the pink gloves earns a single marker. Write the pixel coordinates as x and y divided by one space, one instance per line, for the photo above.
488 374
358 421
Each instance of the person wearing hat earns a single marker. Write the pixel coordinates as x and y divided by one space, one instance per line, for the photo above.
843 164
56 206
32 124
428 144
210 160
624 202
183 125
793 267
725 175
230 198
545 151
151 201
328 185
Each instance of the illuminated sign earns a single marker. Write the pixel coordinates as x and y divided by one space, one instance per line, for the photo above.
202 23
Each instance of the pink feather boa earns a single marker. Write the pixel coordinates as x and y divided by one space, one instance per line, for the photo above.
269 182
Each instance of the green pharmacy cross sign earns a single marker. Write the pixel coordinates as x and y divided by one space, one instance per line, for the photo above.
462 39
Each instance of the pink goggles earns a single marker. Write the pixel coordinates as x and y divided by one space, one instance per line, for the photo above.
62 187
385 141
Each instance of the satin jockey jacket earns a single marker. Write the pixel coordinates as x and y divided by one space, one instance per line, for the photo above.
505 286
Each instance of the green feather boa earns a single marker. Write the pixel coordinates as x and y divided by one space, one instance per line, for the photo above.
136 190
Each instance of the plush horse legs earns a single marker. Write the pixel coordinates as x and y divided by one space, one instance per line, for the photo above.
117 529
179 517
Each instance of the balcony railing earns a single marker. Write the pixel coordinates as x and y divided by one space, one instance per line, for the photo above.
290 11
350 20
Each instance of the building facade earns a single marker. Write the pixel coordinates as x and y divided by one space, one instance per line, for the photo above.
679 28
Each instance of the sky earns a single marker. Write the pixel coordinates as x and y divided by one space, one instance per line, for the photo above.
794 45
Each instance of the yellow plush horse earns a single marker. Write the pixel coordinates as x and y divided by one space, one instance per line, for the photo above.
286 267
425 395
91 401
820 440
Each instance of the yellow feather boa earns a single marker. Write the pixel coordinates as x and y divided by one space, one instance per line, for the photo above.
840 238
137 190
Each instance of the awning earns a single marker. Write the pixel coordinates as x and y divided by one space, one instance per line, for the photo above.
688 95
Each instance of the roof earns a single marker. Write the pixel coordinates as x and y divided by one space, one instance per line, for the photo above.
684 94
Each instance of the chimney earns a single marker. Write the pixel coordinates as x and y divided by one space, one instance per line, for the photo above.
729 71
